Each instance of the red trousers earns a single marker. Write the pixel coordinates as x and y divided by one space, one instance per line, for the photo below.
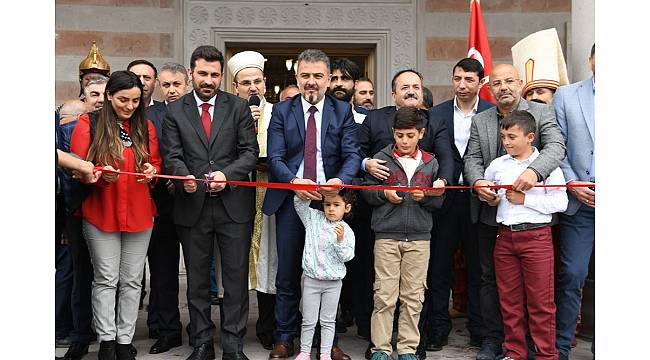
523 263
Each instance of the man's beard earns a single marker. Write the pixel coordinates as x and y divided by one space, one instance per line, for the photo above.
347 96
538 101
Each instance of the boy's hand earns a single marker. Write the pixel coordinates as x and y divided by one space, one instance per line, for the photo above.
515 197
485 194
392 196
417 195
494 202
438 188
339 230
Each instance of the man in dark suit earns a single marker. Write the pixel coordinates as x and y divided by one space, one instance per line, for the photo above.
375 133
484 145
452 220
312 138
209 133
163 316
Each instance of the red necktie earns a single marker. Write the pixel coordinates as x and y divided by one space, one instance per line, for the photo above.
206 119
309 170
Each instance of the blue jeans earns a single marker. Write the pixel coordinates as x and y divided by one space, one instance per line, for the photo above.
576 244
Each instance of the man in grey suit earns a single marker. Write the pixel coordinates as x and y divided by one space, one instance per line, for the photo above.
574 109
484 146
211 133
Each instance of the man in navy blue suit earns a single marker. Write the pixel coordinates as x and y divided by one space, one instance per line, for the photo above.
312 138
453 220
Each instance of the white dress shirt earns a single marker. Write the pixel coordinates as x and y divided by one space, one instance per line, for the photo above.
410 163
358 117
539 203
200 102
318 116
462 125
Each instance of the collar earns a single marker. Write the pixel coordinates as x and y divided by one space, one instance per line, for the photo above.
593 85
305 105
199 102
529 160
416 154
474 108
150 102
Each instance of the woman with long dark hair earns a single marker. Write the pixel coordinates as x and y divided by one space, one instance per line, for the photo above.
118 212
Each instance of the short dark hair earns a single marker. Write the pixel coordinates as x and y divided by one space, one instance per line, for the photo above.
408 118
312 56
470 65
393 82
208 53
521 118
347 67
363 78
593 51
145 62
427 97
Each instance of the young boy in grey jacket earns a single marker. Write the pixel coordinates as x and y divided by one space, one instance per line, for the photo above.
402 224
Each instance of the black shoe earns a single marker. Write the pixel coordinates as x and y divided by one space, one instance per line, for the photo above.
267 342
153 333
489 351
125 352
215 299
475 341
436 344
204 351
107 350
234 356
63 342
76 351
164 343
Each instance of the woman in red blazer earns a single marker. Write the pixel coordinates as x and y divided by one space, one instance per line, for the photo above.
118 212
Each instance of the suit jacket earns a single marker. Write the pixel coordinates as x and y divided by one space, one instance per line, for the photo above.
286 143
575 114
161 196
232 149
444 113
376 132
482 149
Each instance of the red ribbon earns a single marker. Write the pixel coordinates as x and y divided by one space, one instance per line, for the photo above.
315 187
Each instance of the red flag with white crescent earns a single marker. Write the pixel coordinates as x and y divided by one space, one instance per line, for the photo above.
479 47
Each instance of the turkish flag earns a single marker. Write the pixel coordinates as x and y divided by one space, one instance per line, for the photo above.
478 47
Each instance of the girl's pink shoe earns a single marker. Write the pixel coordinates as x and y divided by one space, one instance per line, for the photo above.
302 356
325 357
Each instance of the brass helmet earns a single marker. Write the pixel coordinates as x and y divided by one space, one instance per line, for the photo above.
94 63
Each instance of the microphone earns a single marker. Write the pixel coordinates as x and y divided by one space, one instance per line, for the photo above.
254 100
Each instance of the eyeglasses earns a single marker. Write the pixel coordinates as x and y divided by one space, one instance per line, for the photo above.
509 82
247 83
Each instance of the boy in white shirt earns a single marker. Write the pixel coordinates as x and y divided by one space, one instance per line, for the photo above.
523 253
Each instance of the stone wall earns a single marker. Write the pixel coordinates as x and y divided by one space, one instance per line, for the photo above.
432 37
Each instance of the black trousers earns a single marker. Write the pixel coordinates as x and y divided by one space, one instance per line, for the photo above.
63 277
82 312
490 308
265 324
215 229
164 256
361 269
451 229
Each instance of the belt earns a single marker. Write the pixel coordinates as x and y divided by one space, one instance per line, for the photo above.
524 226
211 194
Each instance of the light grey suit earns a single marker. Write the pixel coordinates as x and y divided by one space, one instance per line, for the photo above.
574 110
482 149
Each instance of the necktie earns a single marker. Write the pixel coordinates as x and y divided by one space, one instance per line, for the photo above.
309 170
205 118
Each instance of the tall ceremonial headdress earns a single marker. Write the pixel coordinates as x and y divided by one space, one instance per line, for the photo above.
94 63
245 59
479 47
539 60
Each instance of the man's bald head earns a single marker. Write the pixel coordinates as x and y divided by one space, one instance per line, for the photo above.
505 86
